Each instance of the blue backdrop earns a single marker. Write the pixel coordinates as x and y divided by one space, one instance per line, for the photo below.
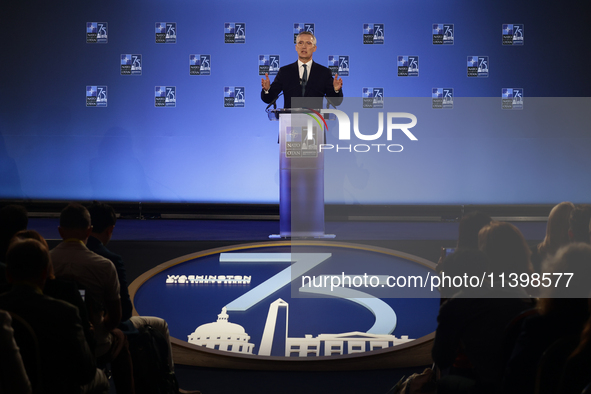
52 146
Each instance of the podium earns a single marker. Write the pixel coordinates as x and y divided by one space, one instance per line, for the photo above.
301 173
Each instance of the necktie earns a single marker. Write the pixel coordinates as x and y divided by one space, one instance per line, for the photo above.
304 79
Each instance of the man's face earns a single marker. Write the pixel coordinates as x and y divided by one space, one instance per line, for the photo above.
305 48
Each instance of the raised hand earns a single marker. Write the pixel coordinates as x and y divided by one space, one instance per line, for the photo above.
337 83
265 82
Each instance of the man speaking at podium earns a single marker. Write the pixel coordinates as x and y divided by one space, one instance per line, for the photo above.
304 78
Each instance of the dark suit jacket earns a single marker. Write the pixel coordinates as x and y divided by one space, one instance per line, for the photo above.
97 247
287 81
66 359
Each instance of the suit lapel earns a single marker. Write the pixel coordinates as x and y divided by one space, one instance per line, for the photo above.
295 71
313 74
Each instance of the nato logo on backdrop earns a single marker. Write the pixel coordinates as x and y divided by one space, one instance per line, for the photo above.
343 66
131 64
408 66
234 33
96 96
338 64
199 64
97 32
165 32
301 27
513 34
373 97
443 34
478 66
512 98
442 98
373 33
234 96
333 64
268 64
165 96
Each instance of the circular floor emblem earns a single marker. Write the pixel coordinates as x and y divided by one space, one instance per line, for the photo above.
303 300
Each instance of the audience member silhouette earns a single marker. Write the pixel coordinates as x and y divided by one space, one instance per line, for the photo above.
563 312
13 376
61 289
13 218
506 249
577 370
474 320
578 230
470 262
556 234
103 220
97 275
67 360
470 225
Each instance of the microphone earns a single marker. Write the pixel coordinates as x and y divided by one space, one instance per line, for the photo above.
274 102
329 103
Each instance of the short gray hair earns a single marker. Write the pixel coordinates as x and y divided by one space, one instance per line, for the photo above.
308 33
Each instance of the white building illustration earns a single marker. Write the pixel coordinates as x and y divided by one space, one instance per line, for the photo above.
323 344
222 335
231 337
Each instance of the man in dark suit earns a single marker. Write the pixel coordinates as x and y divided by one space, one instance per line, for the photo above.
304 78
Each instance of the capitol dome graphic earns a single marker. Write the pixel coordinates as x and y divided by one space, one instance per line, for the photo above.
222 335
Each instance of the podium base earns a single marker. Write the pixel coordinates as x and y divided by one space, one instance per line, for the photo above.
320 236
